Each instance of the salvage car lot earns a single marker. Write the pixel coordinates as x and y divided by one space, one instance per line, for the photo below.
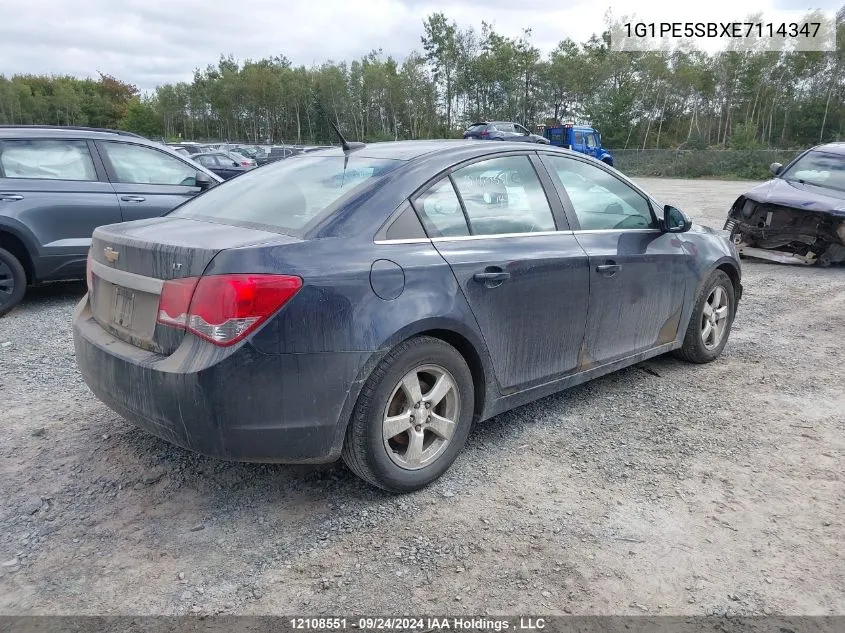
664 488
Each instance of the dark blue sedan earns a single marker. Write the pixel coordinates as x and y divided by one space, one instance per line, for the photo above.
371 304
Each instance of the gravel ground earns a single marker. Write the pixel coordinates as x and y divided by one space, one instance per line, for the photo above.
664 488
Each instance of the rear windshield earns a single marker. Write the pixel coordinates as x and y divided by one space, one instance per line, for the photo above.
478 127
286 195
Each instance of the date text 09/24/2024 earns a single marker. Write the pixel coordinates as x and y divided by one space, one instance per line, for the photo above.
418 624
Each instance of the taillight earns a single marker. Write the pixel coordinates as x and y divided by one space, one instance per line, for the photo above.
175 301
89 275
223 309
246 163
485 133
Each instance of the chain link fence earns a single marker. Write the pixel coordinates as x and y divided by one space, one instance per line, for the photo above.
704 163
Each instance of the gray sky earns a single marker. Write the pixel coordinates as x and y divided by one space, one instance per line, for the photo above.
149 42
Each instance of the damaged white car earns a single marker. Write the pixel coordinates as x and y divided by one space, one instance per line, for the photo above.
798 217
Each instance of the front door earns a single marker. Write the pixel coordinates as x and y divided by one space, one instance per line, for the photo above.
579 143
638 274
592 144
525 280
148 182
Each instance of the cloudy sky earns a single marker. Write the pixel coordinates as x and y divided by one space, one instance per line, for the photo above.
149 42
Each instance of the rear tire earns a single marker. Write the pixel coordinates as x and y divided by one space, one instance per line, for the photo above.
12 281
711 320
412 418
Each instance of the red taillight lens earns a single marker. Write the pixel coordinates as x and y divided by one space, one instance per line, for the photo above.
223 309
485 133
89 275
246 163
175 301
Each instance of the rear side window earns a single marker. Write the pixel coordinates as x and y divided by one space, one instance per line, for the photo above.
441 212
47 160
286 195
136 164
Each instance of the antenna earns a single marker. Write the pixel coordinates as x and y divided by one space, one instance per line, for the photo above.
343 143
346 145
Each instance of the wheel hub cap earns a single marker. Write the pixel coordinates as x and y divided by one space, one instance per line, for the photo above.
714 318
421 416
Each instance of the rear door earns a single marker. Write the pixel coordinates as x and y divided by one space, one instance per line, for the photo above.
522 272
508 132
148 181
58 190
638 274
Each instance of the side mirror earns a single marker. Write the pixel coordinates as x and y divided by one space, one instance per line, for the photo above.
775 168
203 180
675 220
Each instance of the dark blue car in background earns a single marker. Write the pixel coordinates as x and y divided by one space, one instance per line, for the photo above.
371 304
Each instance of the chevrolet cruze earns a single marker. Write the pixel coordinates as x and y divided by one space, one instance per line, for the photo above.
371 302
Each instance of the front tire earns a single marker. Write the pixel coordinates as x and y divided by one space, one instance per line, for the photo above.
711 320
12 281
412 417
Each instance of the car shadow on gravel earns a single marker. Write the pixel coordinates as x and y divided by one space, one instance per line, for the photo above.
38 296
220 484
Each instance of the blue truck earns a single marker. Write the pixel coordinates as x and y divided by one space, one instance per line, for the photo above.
578 138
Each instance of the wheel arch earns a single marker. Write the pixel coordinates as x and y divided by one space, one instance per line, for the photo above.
468 344
732 271
10 241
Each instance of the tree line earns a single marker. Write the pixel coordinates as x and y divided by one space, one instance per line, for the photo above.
669 98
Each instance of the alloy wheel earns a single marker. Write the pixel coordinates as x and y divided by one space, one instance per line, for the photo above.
714 317
421 416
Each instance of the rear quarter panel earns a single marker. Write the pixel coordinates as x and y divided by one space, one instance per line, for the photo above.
338 312
337 309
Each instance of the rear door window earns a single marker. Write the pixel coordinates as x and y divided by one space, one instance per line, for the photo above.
47 160
504 195
136 164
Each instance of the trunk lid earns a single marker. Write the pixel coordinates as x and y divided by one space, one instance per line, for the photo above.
131 261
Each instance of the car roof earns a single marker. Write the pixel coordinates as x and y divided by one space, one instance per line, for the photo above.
462 149
36 131
832 148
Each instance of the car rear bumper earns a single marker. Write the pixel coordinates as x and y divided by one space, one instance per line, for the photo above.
235 404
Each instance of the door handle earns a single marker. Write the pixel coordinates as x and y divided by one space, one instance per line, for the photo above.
608 270
10 197
492 276
133 198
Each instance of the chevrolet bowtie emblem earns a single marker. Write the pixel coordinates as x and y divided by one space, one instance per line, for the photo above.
110 254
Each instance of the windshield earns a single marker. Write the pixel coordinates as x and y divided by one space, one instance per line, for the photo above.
285 195
818 168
